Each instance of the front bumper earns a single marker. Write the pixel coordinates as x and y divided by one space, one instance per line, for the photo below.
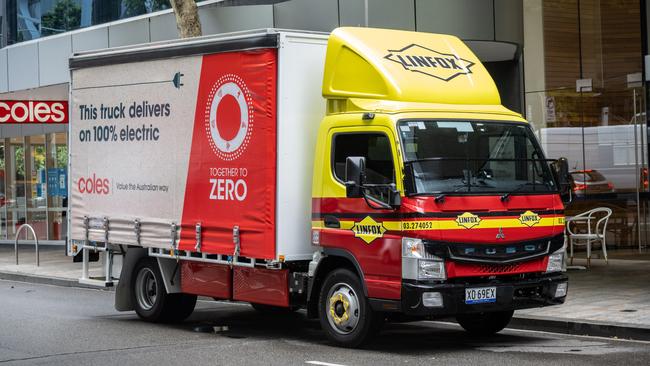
511 295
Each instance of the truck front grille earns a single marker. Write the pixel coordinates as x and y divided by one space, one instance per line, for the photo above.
496 253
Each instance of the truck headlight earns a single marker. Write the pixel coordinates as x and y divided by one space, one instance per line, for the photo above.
417 264
431 269
557 261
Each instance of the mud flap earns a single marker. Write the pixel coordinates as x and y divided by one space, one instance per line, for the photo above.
170 269
123 291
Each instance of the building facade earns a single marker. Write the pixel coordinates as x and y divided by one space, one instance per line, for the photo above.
537 51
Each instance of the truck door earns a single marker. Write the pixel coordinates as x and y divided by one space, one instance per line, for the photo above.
350 225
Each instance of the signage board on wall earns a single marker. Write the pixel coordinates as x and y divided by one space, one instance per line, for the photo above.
57 179
33 111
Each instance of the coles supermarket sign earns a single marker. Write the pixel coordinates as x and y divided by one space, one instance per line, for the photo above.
33 111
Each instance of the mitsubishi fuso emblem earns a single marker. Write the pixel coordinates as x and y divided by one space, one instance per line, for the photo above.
500 234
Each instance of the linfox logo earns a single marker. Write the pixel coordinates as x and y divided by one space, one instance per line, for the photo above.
440 65
94 185
529 218
229 117
368 229
468 220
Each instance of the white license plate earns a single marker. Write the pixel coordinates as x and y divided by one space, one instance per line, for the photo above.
480 295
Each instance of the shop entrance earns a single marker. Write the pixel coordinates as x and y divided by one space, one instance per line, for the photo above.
33 186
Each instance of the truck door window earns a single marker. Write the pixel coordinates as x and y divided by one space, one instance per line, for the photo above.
374 147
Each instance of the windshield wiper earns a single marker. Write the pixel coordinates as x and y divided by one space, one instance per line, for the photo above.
506 196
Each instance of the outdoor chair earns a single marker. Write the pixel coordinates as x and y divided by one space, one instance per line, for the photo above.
587 228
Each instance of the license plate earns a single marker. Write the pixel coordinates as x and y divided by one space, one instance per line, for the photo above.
480 295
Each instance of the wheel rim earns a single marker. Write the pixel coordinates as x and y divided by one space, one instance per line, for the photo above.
146 289
342 308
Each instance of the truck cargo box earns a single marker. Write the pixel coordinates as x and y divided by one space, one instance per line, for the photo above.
212 136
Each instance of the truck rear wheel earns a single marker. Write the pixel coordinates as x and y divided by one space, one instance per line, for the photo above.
345 313
150 299
484 324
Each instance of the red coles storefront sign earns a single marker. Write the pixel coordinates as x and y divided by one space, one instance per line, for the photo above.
33 111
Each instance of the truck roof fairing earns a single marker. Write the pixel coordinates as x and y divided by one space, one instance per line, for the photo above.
405 66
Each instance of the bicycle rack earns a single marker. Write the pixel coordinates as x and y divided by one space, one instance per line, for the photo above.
38 262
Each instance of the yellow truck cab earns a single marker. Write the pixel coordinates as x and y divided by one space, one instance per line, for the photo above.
429 197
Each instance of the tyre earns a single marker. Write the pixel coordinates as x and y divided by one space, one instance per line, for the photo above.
484 324
150 299
344 311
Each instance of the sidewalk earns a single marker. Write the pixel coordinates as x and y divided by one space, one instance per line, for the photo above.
55 267
607 300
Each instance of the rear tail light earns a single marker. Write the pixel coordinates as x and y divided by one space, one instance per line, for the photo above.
610 186
580 187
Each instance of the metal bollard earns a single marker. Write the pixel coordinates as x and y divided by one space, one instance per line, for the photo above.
38 262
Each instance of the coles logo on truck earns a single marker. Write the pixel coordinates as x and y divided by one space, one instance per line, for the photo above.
94 185
229 117
33 111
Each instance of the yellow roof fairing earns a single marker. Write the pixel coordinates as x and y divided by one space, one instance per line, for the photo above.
405 66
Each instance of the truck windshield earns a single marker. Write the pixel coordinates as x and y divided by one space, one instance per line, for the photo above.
472 156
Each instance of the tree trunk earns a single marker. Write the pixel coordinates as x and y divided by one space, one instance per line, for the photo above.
187 18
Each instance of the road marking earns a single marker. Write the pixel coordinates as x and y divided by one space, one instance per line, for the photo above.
323 363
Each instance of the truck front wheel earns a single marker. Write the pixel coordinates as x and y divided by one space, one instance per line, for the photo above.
484 324
345 313
150 299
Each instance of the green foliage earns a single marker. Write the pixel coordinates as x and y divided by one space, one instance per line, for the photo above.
20 162
138 7
65 16
62 156
39 157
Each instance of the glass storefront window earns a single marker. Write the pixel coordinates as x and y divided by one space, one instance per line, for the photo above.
32 19
56 187
3 201
33 186
15 185
601 129
607 158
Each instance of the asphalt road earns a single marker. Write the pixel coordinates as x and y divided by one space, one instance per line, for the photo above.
49 325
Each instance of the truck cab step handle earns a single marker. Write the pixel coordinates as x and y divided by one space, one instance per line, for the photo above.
332 222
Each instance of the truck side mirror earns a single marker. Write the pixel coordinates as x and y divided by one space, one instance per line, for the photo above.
561 172
355 173
394 198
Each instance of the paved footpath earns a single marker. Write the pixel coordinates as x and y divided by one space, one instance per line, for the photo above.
52 325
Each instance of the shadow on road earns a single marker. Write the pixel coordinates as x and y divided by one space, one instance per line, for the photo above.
243 322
